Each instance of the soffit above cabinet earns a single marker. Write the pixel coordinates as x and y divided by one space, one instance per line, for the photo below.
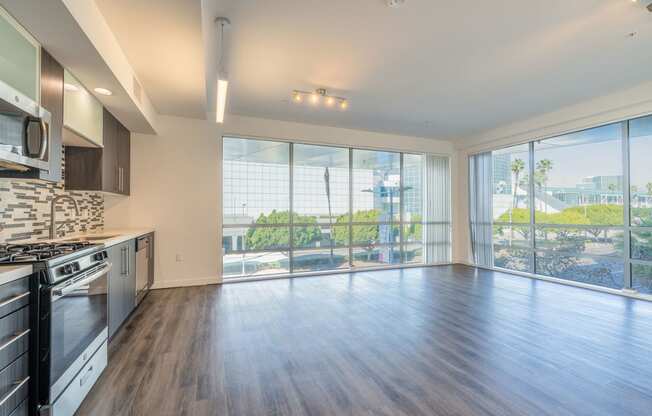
75 33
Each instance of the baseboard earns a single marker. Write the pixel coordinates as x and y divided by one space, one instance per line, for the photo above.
167 284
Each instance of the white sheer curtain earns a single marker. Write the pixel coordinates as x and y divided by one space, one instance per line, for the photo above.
437 224
480 204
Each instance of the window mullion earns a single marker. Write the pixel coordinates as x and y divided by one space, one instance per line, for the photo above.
401 209
532 200
291 211
350 207
627 277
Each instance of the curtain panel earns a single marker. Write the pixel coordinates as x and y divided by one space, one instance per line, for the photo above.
437 227
480 204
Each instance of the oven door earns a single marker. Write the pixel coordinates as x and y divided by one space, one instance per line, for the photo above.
78 325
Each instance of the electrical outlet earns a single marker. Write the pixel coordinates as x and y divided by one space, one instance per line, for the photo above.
179 258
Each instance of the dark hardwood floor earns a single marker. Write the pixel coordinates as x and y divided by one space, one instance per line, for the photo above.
448 340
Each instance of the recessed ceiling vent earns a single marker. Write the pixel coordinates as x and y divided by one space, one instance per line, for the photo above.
395 3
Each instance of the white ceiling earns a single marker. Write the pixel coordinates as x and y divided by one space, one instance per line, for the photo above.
433 68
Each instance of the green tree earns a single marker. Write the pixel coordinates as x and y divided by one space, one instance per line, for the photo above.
415 229
648 186
518 165
598 214
544 166
365 235
518 216
270 238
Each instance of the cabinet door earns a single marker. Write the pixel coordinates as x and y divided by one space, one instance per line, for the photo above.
124 158
82 112
116 255
129 278
52 100
19 60
110 153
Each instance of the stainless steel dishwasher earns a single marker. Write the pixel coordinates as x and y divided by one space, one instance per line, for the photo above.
142 268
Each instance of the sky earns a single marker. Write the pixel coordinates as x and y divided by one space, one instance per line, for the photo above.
595 152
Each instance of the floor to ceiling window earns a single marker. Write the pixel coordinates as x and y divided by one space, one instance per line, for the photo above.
640 141
512 245
293 208
576 207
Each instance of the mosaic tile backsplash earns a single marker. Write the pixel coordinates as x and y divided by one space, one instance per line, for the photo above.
25 210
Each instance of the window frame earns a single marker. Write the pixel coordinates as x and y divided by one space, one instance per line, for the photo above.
350 246
627 228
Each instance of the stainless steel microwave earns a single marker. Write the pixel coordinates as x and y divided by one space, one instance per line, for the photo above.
24 132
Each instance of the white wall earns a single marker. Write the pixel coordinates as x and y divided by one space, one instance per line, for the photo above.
176 182
623 105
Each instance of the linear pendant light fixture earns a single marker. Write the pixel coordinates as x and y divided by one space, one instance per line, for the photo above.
222 77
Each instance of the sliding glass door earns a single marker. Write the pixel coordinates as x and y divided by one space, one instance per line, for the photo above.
576 207
294 208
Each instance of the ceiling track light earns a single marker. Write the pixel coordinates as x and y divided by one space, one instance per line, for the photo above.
320 95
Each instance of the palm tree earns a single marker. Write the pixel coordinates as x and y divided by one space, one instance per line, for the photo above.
517 167
543 167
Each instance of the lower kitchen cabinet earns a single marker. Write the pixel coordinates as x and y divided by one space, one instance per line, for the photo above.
15 334
122 283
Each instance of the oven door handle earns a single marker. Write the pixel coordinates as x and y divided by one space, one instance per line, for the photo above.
74 286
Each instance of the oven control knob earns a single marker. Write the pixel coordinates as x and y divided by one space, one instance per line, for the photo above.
100 256
67 269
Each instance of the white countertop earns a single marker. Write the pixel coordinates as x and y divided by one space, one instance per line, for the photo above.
113 236
9 273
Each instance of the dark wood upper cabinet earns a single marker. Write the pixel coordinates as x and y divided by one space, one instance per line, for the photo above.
124 159
101 169
51 100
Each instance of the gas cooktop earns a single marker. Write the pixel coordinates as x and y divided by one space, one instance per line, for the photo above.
35 252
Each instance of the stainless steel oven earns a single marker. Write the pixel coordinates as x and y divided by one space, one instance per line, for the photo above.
73 334
24 132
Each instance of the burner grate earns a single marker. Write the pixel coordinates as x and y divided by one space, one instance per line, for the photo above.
20 253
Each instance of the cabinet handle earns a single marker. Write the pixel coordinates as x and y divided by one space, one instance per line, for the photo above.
123 258
14 299
14 339
17 386
84 378
120 179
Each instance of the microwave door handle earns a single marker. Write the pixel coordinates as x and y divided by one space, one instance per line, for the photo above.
45 133
72 287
